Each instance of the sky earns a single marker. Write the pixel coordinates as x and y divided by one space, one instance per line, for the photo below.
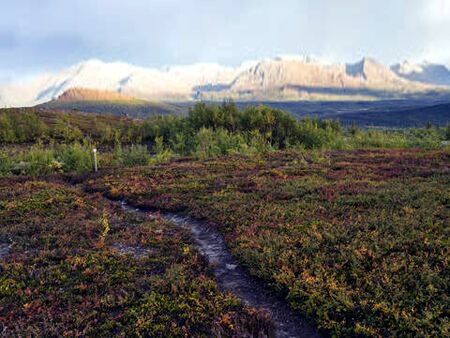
38 36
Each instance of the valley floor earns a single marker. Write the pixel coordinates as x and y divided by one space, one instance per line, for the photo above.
355 240
73 264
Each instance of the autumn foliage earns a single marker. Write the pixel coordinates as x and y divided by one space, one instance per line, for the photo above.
357 240
73 264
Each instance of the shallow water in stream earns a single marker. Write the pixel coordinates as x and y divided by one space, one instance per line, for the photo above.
231 276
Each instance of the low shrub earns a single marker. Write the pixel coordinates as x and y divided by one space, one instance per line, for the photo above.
5 163
355 239
65 130
133 155
162 153
35 161
76 157
212 143
79 266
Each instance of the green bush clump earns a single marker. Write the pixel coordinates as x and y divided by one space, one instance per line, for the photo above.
64 130
213 143
42 159
429 138
19 128
5 163
131 156
136 155
315 134
105 133
7 134
162 152
76 157
378 139
37 160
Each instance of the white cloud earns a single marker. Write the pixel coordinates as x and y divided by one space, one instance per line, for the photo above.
157 32
434 23
438 11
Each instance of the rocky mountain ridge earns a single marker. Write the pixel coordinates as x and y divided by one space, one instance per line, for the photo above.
279 79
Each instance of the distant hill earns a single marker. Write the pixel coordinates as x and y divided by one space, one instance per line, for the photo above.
85 94
438 114
103 102
383 113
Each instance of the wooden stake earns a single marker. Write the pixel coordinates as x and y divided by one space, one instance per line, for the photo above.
95 159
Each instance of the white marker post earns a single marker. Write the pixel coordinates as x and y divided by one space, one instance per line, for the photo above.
95 159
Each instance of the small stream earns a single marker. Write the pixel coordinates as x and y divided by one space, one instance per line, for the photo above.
232 276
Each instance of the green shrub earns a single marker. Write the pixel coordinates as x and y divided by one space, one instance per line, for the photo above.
257 143
378 139
64 130
429 138
23 126
5 163
229 143
210 143
33 127
76 157
206 147
162 153
313 135
179 143
7 134
35 161
117 154
105 133
136 154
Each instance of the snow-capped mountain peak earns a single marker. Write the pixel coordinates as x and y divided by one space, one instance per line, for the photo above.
424 72
407 67
280 78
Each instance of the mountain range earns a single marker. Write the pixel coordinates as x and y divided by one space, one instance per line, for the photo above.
277 79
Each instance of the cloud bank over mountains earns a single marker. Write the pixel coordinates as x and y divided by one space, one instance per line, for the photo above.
50 35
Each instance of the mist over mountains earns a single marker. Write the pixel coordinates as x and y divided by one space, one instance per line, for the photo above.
278 79
426 72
